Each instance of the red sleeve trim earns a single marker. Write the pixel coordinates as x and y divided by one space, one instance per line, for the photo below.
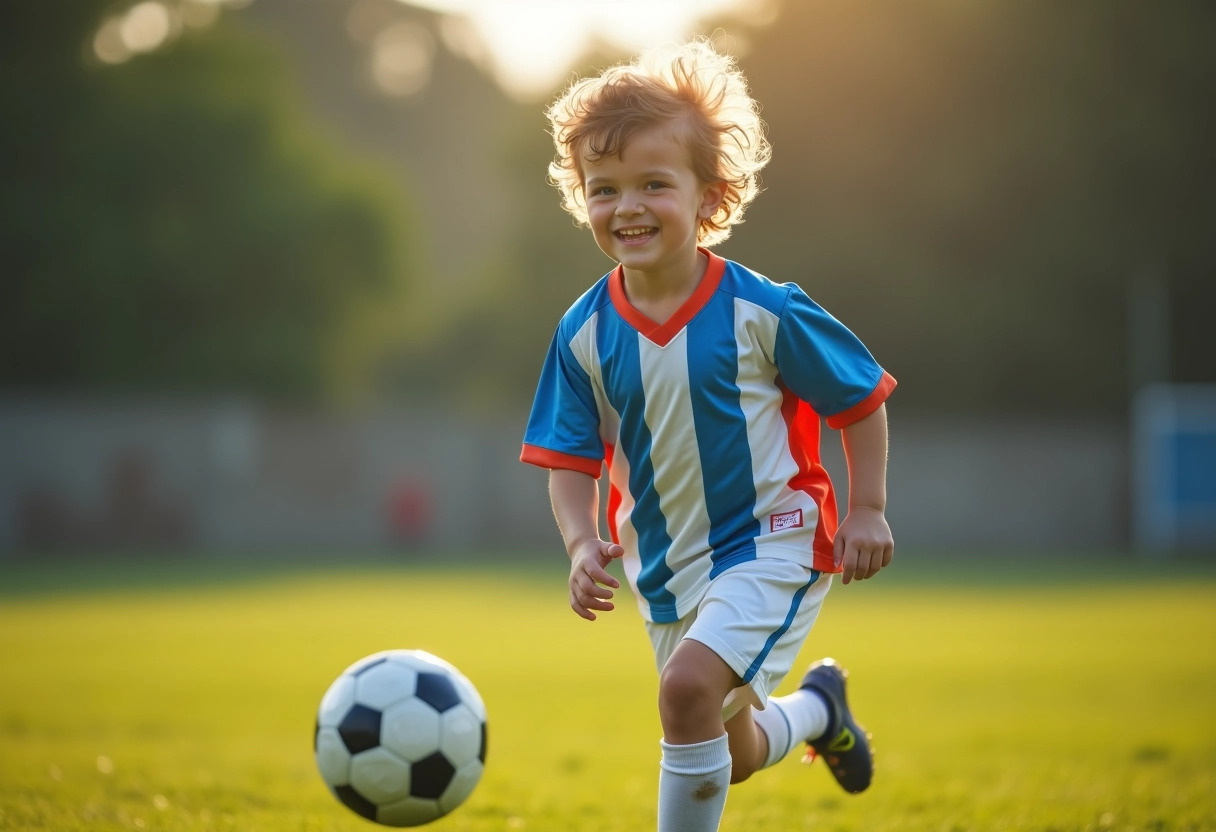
546 458
866 406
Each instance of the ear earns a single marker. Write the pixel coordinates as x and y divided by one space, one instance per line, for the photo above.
711 198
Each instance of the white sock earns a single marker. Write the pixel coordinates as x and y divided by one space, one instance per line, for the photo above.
692 785
790 720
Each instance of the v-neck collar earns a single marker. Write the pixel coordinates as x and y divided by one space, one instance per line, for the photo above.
662 333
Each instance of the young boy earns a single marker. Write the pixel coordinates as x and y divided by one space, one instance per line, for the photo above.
700 385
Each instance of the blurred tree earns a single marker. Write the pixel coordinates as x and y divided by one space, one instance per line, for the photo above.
972 187
449 143
179 223
490 352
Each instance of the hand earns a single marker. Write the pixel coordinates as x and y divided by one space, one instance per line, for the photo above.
864 544
590 585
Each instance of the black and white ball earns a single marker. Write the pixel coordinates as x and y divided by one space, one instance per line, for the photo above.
401 737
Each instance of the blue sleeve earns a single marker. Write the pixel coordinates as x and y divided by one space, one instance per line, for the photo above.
563 428
820 360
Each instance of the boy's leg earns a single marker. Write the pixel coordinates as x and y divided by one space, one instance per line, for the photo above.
696 766
748 745
742 641
818 714
789 721
756 617
844 745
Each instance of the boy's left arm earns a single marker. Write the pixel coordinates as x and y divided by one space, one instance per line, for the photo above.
864 543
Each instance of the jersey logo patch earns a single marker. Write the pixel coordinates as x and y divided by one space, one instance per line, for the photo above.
786 520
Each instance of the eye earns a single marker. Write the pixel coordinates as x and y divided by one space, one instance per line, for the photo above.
602 190
655 185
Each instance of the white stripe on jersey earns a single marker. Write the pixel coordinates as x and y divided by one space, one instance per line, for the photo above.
676 459
773 466
587 352
626 534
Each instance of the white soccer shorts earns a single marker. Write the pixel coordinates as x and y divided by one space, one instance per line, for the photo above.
755 616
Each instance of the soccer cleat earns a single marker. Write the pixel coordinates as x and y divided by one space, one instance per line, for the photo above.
845 746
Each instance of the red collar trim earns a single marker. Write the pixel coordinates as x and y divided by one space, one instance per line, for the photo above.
661 334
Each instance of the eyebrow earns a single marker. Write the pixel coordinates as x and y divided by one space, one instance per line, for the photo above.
655 173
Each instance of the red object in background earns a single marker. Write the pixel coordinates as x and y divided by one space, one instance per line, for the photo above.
410 511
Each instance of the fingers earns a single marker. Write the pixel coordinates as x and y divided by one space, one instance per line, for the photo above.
607 553
599 576
868 565
584 599
593 589
583 608
861 562
863 544
591 586
849 562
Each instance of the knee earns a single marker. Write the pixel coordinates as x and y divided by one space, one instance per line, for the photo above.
739 771
684 690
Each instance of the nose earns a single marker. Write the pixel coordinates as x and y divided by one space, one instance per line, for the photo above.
629 206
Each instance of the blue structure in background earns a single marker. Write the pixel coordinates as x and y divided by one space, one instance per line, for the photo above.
1174 453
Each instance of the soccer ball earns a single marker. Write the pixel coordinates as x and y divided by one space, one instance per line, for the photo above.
401 737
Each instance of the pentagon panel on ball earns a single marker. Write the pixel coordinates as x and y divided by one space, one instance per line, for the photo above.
401 737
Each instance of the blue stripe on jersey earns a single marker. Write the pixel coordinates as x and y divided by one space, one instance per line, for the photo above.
820 359
564 415
776 635
621 365
721 427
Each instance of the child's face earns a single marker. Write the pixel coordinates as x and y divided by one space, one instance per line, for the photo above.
644 206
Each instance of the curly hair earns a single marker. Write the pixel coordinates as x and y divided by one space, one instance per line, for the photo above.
692 84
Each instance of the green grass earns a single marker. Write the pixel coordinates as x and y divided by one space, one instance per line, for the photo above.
1055 696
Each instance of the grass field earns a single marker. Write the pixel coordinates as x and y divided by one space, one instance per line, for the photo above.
1049 696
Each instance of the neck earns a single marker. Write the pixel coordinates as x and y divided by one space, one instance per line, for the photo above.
673 282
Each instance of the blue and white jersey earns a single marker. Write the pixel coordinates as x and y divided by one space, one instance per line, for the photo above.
708 423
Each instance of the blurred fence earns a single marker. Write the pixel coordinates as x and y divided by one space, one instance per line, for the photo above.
1174 465
208 476
97 475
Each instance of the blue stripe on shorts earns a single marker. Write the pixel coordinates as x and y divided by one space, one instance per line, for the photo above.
780 631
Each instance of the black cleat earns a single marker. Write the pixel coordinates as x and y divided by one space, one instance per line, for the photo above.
845 746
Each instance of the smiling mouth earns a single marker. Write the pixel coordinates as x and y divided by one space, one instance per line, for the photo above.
631 234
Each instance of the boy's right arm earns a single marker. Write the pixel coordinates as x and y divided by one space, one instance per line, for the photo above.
575 499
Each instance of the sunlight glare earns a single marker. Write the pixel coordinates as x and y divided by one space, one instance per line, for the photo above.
532 44
149 25
462 39
401 58
108 45
146 26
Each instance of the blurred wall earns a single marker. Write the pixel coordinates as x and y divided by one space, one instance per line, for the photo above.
210 476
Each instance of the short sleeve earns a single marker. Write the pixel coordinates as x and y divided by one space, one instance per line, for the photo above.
563 428
823 363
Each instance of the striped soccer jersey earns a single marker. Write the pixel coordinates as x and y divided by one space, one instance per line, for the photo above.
708 424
